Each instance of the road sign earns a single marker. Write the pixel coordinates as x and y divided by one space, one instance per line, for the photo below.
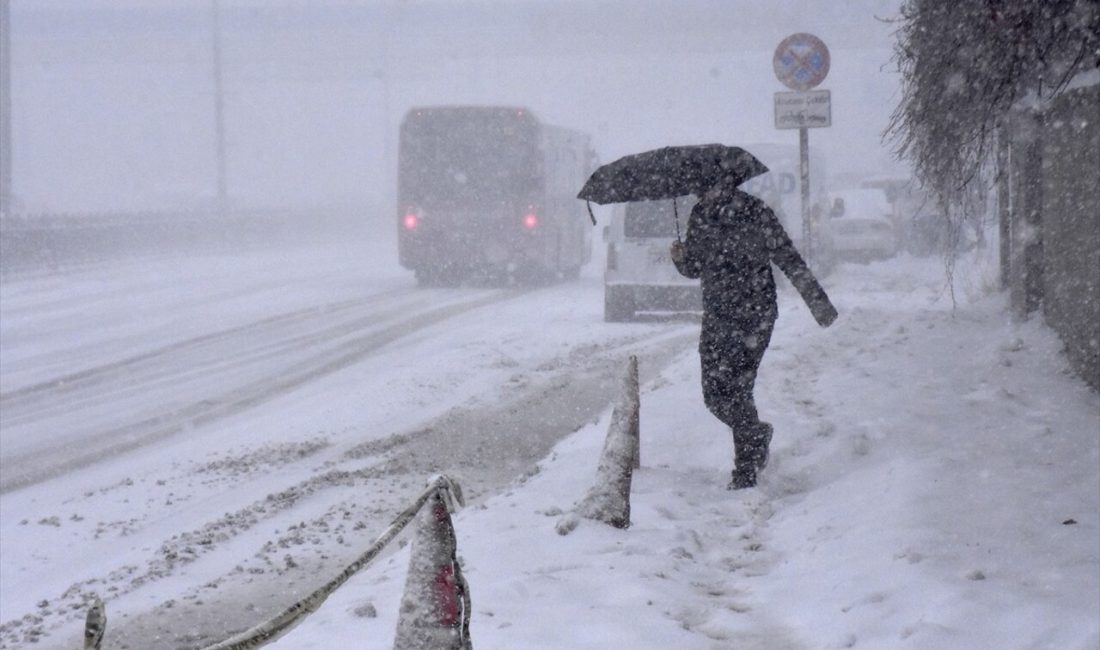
801 61
803 110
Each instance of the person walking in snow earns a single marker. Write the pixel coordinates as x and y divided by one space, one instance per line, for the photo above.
732 240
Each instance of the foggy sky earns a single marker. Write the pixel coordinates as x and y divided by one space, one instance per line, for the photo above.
113 101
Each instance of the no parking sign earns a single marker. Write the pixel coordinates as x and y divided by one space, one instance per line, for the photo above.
801 61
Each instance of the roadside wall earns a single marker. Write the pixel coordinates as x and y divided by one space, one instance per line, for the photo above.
1053 215
1071 226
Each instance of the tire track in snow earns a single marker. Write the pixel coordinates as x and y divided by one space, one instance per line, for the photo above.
28 468
125 368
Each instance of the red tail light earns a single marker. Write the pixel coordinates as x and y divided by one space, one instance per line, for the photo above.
531 220
410 221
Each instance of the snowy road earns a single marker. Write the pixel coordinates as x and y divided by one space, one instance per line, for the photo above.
245 426
108 409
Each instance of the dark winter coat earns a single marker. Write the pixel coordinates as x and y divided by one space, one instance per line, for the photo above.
732 241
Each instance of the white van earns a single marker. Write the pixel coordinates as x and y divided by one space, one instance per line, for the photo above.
861 226
640 276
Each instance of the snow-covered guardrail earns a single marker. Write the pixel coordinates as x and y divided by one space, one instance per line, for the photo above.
426 612
42 241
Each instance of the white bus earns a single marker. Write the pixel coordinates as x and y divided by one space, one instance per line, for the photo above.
489 192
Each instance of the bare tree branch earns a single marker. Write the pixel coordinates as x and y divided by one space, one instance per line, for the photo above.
966 64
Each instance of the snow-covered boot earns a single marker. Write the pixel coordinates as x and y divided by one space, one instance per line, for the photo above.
751 445
744 476
762 439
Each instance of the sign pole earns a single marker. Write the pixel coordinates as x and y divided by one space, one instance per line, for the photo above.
804 171
801 62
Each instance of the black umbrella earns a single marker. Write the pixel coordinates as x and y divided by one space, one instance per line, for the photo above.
669 172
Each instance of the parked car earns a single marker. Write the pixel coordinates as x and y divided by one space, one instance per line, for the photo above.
640 276
861 226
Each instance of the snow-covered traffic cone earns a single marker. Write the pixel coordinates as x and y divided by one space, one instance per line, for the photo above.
609 498
95 624
435 609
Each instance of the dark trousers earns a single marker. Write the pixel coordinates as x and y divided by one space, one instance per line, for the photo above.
731 351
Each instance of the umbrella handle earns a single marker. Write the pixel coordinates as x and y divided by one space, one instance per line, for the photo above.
592 216
676 218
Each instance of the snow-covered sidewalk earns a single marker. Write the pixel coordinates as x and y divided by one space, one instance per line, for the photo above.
934 483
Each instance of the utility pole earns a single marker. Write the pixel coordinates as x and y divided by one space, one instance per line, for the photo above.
5 107
219 117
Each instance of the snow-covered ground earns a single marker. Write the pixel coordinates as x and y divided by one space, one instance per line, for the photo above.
934 482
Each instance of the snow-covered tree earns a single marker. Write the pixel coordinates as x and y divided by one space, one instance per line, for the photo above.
965 65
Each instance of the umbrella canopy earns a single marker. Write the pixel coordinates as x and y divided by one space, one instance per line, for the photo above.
669 172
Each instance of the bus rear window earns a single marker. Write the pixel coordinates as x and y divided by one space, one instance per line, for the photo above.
467 157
